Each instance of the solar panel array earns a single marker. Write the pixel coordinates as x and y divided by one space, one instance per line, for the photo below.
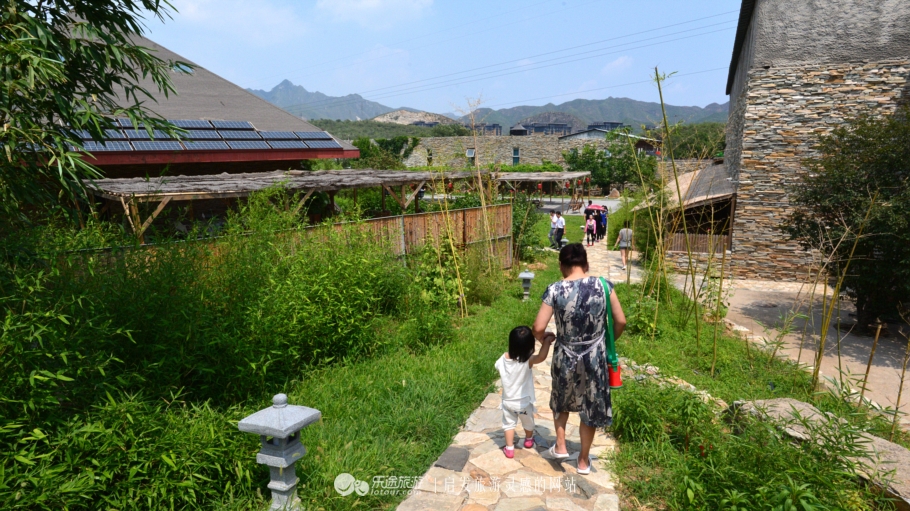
157 146
206 146
240 135
288 144
204 135
248 144
313 135
323 144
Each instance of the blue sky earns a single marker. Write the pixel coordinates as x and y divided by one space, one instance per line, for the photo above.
433 54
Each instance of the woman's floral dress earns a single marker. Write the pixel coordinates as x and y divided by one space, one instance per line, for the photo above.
579 368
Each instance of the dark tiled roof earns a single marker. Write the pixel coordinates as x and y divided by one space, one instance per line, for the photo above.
745 18
205 95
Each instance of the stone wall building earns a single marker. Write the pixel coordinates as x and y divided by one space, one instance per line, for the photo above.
504 150
798 70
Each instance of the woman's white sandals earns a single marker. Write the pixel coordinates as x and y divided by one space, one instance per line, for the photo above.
553 453
584 471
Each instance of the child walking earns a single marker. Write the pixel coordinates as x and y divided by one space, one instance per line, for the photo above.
518 384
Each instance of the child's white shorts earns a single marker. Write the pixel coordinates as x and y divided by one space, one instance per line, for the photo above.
511 415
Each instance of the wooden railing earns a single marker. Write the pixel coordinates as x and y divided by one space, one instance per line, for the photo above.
700 243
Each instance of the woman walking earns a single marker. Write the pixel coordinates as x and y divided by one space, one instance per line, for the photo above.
624 241
591 229
579 368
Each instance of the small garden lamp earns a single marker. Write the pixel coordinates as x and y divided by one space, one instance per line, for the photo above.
279 428
526 278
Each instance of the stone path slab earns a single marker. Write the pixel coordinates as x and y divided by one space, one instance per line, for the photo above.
531 480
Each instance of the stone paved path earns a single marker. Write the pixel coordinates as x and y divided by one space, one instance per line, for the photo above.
474 475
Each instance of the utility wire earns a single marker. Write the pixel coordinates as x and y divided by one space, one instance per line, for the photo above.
492 75
313 66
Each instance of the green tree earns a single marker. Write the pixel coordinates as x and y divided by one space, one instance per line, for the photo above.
70 65
617 165
863 169
702 140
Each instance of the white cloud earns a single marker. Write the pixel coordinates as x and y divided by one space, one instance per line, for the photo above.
260 24
618 65
374 13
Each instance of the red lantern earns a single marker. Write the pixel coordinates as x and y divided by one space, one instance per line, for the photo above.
587 180
578 183
567 185
540 186
450 186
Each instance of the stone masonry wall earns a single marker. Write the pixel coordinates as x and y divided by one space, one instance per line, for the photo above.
533 149
780 114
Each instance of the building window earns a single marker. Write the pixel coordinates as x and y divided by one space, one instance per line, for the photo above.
470 154
516 156
429 157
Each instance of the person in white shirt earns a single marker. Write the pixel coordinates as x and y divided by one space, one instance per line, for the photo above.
552 229
518 400
560 230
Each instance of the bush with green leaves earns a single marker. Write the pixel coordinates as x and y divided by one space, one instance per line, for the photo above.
71 66
618 165
857 193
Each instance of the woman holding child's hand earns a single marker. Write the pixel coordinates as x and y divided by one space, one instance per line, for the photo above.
579 366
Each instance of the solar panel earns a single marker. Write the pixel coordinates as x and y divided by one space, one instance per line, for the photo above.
114 134
206 146
158 146
233 125
202 135
188 124
249 144
278 135
83 134
95 147
313 135
144 135
240 135
323 144
126 123
288 144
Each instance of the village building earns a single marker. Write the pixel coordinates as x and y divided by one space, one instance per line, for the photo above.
459 152
798 70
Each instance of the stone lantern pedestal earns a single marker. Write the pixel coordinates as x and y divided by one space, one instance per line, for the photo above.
279 428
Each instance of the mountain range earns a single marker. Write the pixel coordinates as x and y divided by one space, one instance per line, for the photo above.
316 105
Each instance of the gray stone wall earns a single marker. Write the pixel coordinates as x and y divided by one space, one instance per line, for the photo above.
533 149
782 112
789 32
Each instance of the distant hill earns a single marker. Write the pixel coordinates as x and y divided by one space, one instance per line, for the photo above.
408 116
316 105
590 111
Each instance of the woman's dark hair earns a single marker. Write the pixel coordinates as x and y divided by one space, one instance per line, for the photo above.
521 344
573 254
626 224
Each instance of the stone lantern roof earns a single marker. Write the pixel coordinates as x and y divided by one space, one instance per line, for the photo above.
281 420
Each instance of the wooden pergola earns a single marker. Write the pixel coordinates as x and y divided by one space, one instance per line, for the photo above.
130 192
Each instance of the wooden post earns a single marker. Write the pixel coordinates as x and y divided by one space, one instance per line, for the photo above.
382 198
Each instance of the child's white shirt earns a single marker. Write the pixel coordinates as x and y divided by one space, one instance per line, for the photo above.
517 382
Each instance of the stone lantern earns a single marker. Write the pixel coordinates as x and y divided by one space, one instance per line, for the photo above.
526 278
279 428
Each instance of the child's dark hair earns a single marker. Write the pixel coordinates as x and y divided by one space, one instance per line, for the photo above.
521 344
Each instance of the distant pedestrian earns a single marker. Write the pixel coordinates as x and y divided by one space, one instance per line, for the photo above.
601 224
624 241
591 229
560 230
552 229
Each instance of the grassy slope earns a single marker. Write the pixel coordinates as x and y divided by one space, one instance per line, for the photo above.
396 414
573 229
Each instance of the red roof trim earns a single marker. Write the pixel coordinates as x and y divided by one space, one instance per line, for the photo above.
102 159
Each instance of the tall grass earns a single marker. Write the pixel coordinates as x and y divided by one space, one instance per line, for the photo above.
124 372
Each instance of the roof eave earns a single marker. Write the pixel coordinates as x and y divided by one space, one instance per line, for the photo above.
102 159
745 19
